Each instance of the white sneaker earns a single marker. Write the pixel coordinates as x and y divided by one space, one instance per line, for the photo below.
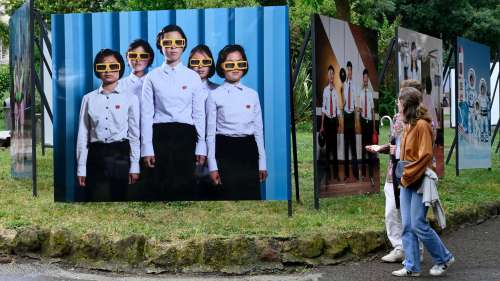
440 269
396 255
405 273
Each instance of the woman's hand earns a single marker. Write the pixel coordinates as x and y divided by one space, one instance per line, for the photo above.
81 180
149 161
392 149
133 178
262 176
374 148
214 176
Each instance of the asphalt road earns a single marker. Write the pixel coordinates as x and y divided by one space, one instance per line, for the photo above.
476 249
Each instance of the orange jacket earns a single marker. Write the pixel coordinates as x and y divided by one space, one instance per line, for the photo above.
416 147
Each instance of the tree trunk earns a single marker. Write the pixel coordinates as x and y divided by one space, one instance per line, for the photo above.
343 9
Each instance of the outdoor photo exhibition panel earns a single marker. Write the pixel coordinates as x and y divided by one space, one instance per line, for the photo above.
345 107
420 58
473 99
21 96
263 33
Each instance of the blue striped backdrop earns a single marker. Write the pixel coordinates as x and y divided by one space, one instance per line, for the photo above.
262 31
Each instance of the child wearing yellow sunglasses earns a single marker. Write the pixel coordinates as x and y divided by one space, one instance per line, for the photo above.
108 146
235 140
173 120
140 56
202 61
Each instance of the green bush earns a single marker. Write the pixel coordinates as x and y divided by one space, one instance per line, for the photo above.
4 78
302 94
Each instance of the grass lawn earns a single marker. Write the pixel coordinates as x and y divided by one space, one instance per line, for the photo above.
183 220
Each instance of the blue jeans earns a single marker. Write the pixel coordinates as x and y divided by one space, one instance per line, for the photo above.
416 227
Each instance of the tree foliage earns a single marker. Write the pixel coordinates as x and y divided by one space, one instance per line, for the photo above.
478 20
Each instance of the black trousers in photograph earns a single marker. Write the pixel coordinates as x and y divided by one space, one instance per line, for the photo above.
331 125
108 166
367 157
350 145
238 164
173 175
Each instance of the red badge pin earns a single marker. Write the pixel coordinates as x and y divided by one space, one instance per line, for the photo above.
117 106
184 87
248 106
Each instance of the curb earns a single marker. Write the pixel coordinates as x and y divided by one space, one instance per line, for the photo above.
236 255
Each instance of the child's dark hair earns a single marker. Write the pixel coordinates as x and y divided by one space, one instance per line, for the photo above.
365 72
145 45
330 67
167 29
223 57
349 64
99 58
342 75
201 48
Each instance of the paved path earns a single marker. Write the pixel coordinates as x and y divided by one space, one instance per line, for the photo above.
476 248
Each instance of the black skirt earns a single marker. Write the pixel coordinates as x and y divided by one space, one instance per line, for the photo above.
173 175
238 164
108 166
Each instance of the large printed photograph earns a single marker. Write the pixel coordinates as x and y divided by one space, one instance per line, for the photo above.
420 58
473 105
21 90
177 105
346 94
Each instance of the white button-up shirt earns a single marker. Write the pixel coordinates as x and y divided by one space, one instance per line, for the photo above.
327 94
172 94
106 118
369 100
133 84
209 85
234 110
349 108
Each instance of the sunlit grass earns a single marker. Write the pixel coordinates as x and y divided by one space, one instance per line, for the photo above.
182 220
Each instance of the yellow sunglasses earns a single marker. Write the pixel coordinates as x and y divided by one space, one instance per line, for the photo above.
235 65
200 62
137 56
171 43
107 67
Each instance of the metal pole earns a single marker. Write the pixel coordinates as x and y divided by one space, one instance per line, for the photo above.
313 108
457 171
31 54
388 55
294 130
42 117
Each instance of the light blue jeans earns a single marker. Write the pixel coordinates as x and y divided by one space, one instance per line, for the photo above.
416 227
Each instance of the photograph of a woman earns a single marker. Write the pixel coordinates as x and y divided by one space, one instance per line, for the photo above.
236 154
108 147
173 120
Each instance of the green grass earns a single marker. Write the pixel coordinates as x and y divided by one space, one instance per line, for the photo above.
2 124
183 220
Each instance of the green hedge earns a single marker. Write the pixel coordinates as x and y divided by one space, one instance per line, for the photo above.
4 78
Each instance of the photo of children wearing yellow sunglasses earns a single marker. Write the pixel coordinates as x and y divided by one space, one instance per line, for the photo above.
108 146
140 56
235 138
173 120
201 61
